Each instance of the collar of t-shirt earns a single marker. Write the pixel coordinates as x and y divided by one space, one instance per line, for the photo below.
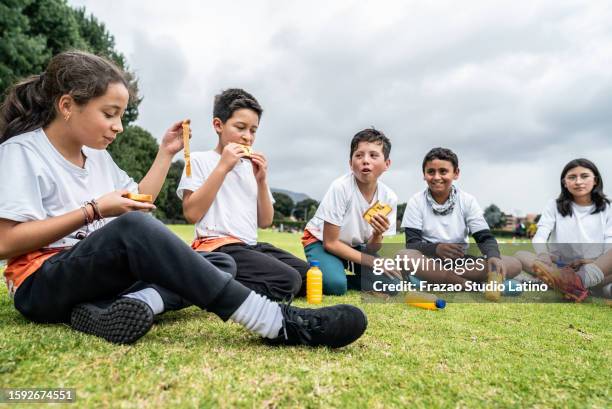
583 210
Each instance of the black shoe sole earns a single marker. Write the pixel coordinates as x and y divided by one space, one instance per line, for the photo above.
122 322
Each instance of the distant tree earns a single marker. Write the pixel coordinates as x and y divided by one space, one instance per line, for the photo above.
401 208
22 53
283 204
32 31
99 41
172 206
134 151
305 209
494 216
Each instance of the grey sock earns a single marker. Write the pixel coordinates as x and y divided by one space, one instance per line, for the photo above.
260 315
151 297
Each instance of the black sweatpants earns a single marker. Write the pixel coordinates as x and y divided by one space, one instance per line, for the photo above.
173 301
132 248
268 270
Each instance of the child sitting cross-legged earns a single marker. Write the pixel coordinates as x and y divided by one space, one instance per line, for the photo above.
437 222
228 198
573 242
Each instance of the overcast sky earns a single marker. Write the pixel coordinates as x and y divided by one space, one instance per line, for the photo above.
517 90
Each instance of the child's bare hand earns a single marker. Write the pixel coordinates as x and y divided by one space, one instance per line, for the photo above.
230 156
449 250
114 204
380 224
260 166
172 142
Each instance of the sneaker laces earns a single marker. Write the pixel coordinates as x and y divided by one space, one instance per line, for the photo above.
303 327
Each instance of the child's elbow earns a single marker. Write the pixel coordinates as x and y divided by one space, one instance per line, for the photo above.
6 252
190 216
328 246
191 219
264 224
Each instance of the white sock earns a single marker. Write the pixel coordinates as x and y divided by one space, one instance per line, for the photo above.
590 274
151 297
260 315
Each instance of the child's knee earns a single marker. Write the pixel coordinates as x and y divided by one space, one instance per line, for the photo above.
513 266
524 258
222 261
522 255
133 222
228 265
293 282
335 284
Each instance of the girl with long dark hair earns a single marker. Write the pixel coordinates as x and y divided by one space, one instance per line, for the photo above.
574 232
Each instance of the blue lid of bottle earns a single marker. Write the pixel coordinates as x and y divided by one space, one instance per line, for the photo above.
440 303
315 263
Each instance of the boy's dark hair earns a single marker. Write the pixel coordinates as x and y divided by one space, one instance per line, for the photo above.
233 99
565 199
441 154
30 104
371 135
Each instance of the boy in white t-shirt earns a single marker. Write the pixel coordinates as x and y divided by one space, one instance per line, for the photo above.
338 236
437 222
228 198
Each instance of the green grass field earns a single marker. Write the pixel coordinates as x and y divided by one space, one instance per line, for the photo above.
468 355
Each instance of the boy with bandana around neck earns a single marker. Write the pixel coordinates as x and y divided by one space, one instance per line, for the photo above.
438 219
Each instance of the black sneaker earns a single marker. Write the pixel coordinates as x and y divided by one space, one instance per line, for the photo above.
334 326
123 321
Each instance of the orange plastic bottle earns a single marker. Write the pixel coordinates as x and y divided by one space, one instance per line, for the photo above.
314 284
493 278
424 300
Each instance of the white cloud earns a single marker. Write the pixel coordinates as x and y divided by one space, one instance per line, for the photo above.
517 89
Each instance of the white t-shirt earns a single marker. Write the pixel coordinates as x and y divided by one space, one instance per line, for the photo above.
582 227
466 218
234 210
37 182
343 205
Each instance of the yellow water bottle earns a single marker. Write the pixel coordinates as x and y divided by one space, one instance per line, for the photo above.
314 283
494 279
424 300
